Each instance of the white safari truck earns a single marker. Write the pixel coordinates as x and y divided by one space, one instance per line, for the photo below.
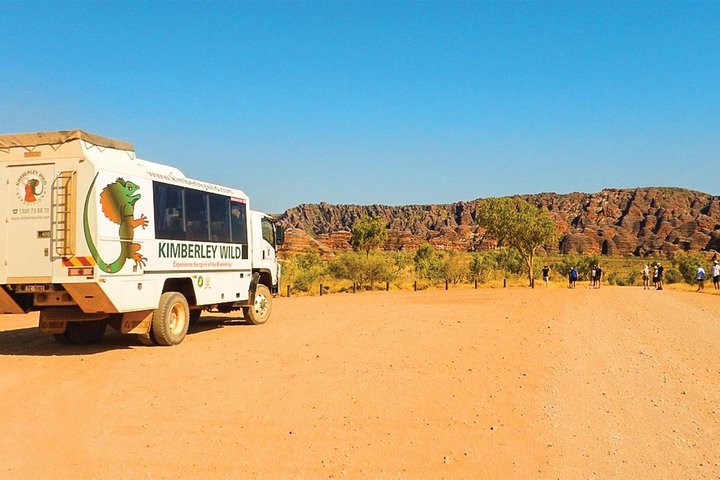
94 236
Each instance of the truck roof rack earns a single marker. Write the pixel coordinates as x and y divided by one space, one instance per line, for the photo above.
60 137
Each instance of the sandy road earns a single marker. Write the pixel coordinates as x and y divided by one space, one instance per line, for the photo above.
514 383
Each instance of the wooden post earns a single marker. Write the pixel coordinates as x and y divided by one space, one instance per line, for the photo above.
446 284
288 290
354 287
321 289
476 284
415 286
387 286
504 282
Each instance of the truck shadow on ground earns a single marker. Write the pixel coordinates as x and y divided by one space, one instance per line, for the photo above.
30 341
211 322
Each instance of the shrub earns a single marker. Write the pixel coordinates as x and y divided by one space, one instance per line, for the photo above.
378 269
480 267
672 275
583 263
436 267
687 263
428 263
615 278
362 269
402 266
349 266
454 266
302 271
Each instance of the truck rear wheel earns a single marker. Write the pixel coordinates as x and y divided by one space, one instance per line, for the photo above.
82 333
171 319
259 312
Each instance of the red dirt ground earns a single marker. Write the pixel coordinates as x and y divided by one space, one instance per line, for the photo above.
494 383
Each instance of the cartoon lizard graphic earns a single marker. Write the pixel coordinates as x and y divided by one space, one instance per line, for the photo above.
118 204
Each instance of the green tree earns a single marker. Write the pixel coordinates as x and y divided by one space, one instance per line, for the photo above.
507 260
368 234
517 224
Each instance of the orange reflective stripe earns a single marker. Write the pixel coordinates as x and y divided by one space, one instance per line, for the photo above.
78 262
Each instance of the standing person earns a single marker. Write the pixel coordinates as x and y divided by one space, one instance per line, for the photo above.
592 277
646 277
715 272
598 275
660 270
700 276
655 274
573 277
546 274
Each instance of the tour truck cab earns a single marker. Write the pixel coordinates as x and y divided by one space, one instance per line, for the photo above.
94 236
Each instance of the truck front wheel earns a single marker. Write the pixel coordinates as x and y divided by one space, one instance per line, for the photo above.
259 311
171 319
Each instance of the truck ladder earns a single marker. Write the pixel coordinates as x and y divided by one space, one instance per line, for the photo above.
62 233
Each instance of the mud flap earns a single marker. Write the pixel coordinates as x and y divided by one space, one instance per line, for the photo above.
136 322
253 287
8 304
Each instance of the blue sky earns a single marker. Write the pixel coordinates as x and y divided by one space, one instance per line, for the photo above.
380 102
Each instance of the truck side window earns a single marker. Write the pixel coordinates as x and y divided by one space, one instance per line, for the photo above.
196 215
238 222
268 231
169 219
219 218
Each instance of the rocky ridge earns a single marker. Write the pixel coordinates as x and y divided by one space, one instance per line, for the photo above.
640 221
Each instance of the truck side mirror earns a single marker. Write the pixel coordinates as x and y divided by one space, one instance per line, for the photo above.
279 235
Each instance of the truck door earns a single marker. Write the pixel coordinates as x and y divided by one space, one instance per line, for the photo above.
28 220
268 246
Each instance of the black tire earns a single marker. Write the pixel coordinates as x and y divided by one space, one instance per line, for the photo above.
259 312
195 316
82 333
62 338
92 332
171 319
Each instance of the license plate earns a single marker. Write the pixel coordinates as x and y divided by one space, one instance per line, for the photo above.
35 288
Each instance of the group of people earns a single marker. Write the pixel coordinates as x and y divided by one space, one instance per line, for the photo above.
714 272
657 276
573 275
